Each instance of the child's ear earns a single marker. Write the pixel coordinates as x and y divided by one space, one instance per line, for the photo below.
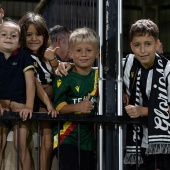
131 46
158 43
98 54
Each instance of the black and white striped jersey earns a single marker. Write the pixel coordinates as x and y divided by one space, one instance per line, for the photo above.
145 80
43 71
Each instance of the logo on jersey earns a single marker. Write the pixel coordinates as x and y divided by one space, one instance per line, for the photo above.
77 88
14 63
35 64
59 82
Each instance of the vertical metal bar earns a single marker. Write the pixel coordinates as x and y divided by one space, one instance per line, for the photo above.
155 163
58 145
111 58
100 109
18 144
38 139
77 23
136 129
71 16
119 82
79 145
93 14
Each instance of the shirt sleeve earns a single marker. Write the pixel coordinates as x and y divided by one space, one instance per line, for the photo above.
127 65
60 91
27 60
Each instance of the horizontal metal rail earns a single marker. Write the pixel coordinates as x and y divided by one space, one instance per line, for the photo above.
79 118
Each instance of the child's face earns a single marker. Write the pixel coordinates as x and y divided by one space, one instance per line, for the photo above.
33 40
144 48
9 37
84 54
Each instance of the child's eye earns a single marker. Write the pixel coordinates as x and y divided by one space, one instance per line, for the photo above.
89 50
78 50
136 45
29 35
3 34
14 35
148 43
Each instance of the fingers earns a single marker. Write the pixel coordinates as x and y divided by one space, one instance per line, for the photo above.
53 113
57 72
55 49
1 111
132 111
87 98
25 114
62 69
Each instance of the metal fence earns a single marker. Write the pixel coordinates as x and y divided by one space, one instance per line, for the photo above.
108 122
71 13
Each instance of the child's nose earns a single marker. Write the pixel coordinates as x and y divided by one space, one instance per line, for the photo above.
142 49
34 37
84 53
9 36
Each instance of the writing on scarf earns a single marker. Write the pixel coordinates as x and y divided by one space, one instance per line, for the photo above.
135 132
162 110
137 129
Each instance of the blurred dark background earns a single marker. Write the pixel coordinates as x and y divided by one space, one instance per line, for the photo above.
77 13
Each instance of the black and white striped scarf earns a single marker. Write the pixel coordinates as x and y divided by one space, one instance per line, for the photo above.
158 118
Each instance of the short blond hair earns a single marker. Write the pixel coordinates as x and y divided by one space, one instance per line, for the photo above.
84 35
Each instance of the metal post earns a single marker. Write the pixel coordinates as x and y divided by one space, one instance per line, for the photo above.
18 144
111 72
38 139
100 110
119 82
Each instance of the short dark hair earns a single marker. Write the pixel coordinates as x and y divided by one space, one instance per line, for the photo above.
143 27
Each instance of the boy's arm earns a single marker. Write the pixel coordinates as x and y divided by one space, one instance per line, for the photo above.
45 99
30 94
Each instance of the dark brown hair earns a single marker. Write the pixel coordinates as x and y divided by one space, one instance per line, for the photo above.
143 27
41 27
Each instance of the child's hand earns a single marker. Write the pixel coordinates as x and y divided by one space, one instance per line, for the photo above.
85 106
52 111
133 111
50 54
2 109
25 113
62 69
